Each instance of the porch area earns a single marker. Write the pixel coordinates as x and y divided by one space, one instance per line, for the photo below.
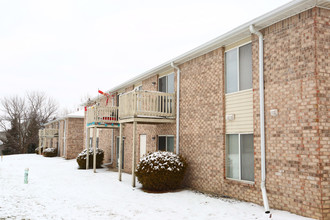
147 107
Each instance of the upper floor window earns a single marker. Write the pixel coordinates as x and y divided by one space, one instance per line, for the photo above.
138 88
166 83
117 100
239 68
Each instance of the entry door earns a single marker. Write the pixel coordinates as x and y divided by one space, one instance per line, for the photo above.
122 155
143 145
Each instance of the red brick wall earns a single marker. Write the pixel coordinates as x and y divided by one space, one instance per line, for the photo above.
74 137
322 71
296 140
201 121
296 76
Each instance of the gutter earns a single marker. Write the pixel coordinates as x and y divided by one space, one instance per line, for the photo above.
236 34
177 107
262 117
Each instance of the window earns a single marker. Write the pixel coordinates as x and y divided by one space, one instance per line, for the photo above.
239 68
240 157
117 100
138 88
166 143
166 83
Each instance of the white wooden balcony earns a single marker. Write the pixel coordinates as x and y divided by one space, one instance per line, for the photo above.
48 132
147 105
102 116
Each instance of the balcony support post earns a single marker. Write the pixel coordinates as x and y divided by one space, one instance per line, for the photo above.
120 150
133 154
87 147
94 148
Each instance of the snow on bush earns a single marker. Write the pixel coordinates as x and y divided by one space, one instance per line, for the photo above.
50 152
81 159
161 171
37 150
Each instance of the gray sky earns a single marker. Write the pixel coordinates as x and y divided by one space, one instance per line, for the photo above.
70 48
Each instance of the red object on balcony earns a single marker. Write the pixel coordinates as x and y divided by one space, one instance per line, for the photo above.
109 118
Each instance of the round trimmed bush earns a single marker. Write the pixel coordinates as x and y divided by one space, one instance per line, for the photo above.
50 152
37 150
161 171
81 159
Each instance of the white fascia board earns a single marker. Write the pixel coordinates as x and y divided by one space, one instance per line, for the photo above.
290 9
74 116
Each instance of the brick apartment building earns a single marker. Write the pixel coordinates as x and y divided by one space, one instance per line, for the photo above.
213 115
66 134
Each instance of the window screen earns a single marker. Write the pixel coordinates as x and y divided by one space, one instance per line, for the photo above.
247 157
170 144
232 156
245 67
231 71
170 83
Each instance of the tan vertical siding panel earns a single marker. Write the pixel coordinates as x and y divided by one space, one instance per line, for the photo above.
241 105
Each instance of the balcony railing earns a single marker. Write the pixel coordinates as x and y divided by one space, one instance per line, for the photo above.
48 132
147 104
102 115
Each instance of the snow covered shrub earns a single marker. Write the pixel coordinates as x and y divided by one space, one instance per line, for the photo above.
161 171
37 150
50 152
81 159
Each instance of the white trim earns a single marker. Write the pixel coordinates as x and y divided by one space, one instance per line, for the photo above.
166 81
242 181
283 12
157 146
239 157
238 67
240 45
233 93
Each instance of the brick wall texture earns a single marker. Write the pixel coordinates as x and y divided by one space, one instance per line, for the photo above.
296 77
71 143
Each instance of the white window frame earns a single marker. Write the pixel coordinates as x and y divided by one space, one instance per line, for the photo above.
166 81
165 142
239 159
236 48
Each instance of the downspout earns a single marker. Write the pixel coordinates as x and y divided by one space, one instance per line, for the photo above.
177 107
262 117
64 140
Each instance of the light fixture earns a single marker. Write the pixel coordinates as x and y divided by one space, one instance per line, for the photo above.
153 83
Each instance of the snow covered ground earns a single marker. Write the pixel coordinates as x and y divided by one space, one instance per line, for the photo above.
58 190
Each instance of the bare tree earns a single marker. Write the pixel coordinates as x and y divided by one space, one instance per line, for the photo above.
22 118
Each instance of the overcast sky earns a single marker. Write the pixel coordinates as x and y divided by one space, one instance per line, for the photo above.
70 48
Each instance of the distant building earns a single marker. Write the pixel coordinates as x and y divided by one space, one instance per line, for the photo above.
66 134
2 137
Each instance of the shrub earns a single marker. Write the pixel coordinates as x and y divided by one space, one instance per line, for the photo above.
50 152
81 159
161 171
37 150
